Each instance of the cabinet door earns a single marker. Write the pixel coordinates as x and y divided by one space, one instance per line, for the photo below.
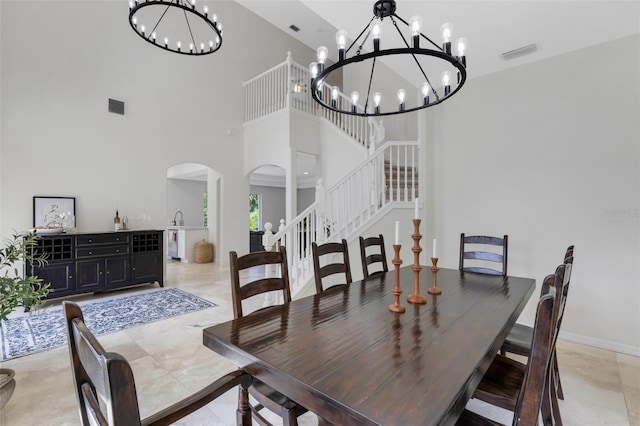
90 275
118 271
61 276
147 268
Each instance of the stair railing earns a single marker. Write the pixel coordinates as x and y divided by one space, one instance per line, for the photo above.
286 85
389 175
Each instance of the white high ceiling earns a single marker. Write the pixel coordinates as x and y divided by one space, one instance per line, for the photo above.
491 27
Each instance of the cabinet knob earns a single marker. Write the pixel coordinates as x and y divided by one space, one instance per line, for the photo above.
90 240
90 252
100 272
118 251
70 276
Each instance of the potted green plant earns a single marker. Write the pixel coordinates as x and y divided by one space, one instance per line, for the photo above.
18 290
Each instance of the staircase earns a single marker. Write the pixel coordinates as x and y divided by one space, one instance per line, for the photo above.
387 177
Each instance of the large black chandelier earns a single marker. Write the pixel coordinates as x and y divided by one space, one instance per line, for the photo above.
178 26
452 68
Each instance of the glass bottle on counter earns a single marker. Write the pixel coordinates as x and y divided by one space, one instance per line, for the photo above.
116 222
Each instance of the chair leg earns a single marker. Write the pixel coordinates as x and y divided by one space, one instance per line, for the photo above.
556 373
555 407
289 417
243 414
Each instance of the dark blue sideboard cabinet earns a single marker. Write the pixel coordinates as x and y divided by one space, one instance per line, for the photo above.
96 262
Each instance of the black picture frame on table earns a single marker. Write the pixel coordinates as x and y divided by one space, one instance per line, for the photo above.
51 211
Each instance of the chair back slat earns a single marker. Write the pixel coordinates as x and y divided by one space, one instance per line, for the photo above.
331 251
260 285
379 257
479 255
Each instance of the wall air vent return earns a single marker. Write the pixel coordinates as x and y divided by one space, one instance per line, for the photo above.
116 107
521 51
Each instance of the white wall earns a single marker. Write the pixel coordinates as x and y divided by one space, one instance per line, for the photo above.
57 137
548 153
306 197
186 196
272 206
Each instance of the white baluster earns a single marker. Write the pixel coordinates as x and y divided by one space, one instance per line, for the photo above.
321 212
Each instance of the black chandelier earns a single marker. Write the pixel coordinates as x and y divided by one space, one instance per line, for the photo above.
168 24
434 57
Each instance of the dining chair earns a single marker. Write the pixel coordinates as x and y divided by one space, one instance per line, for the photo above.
519 339
378 257
105 386
501 384
328 252
484 253
526 392
264 395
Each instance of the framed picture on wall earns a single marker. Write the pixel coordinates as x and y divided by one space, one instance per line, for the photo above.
53 212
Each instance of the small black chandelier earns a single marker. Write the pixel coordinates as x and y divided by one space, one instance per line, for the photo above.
434 56
168 24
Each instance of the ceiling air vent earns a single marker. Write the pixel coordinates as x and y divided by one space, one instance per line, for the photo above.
520 51
294 28
116 107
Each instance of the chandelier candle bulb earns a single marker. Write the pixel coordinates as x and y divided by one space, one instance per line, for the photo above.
415 214
446 82
434 248
447 29
335 91
425 93
401 96
341 41
375 31
415 23
206 10
377 97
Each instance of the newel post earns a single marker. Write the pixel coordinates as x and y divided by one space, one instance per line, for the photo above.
321 213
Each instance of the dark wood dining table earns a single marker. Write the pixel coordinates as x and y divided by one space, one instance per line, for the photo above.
344 356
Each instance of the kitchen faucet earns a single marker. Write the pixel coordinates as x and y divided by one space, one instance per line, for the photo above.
181 222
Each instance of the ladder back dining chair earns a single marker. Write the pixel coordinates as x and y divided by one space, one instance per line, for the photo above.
105 387
502 383
265 396
377 260
525 384
480 253
329 252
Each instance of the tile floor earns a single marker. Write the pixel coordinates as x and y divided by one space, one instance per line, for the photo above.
170 362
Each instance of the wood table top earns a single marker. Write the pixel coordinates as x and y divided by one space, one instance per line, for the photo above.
346 357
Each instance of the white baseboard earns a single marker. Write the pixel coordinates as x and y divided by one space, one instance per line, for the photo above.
599 343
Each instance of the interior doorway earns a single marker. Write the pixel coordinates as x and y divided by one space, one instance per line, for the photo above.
193 202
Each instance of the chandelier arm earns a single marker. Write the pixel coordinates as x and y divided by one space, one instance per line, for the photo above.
395 24
189 26
366 103
159 20
360 35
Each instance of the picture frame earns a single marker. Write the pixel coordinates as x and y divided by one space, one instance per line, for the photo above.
51 211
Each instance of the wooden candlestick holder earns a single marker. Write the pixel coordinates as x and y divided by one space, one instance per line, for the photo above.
434 285
397 291
416 297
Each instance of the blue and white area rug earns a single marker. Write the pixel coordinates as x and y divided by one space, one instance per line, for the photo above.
45 329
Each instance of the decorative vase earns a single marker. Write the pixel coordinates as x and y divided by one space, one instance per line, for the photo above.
7 385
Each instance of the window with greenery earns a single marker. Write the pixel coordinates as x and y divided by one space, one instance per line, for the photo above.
205 212
254 212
